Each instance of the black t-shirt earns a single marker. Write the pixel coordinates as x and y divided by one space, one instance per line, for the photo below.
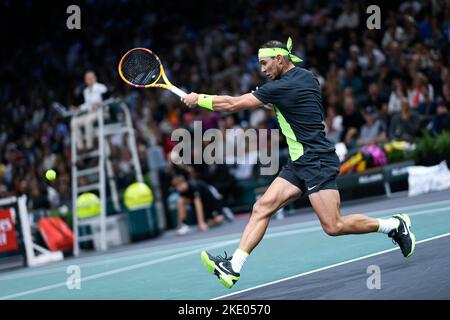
297 99
199 188
354 120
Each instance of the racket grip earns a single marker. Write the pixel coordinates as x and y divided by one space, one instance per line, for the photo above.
178 92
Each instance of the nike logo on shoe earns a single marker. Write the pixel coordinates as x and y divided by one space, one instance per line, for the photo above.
403 236
405 232
223 267
216 266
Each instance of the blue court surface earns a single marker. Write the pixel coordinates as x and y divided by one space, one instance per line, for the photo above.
295 260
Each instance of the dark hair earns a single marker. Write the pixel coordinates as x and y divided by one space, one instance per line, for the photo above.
274 44
178 179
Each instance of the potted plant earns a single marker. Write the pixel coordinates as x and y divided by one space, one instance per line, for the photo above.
425 153
442 146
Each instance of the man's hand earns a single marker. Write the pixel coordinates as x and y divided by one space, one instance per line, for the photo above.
191 99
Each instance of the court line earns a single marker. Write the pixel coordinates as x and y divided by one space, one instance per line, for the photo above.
326 268
272 233
115 271
176 256
164 259
102 261
145 250
222 244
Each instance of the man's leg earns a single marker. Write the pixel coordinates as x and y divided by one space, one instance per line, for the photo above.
89 124
75 125
182 228
279 193
326 204
181 208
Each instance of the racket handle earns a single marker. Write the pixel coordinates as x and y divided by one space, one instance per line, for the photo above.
178 92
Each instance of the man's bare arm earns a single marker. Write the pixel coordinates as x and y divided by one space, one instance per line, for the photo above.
227 103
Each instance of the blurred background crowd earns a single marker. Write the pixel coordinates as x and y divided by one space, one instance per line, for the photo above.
377 85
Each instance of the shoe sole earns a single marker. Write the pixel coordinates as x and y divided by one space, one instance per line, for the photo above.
211 268
407 220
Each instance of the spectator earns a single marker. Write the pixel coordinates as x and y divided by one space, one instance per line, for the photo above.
394 34
416 94
373 130
395 57
375 99
333 125
352 122
354 56
352 80
427 106
372 58
441 120
397 94
349 18
406 124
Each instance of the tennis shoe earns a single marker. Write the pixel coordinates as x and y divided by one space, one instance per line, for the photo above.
220 267
403 236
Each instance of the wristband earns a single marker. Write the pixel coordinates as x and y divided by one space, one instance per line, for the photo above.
205 101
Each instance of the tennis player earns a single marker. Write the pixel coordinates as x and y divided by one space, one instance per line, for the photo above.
296 97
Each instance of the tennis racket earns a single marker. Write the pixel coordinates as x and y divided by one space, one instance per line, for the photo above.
141 68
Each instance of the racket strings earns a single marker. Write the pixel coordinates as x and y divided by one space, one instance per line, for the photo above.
141 67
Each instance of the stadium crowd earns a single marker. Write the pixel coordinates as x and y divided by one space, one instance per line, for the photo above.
377 84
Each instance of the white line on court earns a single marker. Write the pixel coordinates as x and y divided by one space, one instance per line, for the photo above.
101 260
115 271
327 267
148 263
172 257
125 255
272 233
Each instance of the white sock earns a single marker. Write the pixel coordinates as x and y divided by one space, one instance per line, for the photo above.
238 260
387 225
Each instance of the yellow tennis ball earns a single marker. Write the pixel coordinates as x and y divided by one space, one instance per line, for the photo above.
50 175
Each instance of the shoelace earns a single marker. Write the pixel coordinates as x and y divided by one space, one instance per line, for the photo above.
224 258
393 237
